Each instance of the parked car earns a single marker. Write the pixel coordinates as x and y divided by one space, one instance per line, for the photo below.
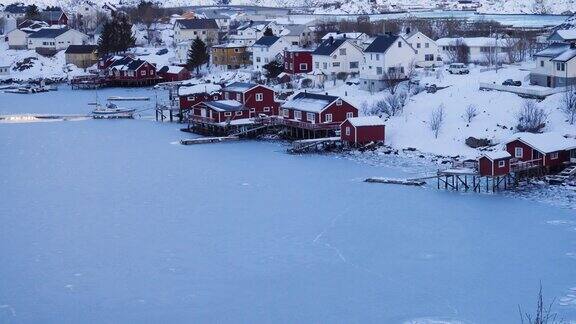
431 88
510 82
458 68
162 51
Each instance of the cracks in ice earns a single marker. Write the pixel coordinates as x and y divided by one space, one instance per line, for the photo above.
9 308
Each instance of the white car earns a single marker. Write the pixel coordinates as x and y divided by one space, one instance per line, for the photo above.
458 68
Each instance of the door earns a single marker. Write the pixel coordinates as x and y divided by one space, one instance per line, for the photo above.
549 82
203 112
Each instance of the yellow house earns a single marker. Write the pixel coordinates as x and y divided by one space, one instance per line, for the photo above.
233 56
82 56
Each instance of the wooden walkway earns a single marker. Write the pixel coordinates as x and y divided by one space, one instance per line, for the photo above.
208 140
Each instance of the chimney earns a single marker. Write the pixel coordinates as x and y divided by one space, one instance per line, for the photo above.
408 30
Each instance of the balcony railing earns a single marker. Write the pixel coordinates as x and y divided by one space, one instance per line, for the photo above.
518 165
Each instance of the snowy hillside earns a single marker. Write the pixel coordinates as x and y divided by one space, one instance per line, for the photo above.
352 6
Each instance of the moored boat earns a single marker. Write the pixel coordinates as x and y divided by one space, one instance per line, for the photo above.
112 111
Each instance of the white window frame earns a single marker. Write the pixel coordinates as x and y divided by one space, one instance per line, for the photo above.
285 113
518 152
501 163
338 102
239 113
191 98
349 114
303 66
238 97
227 114
259 97
554 156
347 130
311 117
143 72
297 114
266 109
328 118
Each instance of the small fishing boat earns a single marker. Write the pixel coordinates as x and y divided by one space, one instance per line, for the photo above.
29 89
112 111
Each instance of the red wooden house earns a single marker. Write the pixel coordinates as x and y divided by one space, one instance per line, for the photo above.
54 16
550 150
362 130
310 110
496 163
189 96
297 61
221 111
172 73
132 72
257 98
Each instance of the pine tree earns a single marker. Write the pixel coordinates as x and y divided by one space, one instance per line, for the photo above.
197 55
273 69
116 36
268 32
32 12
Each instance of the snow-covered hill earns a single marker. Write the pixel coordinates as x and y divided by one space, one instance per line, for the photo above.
352 6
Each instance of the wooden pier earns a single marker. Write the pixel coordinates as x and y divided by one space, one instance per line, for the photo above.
208 140
316 145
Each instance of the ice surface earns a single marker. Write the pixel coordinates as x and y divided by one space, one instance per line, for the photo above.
245 233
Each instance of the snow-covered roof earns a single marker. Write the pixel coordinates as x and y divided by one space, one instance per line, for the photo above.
293 30
553 50
366 121
239 87
567 34
545 142
224 105
171 69
566 56
475 41
228 45
310 102
496 155
337 35
199 88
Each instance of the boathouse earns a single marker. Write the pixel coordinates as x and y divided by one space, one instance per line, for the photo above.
495 163
257 98
132 72
357 131
189 96
220 111
310 109
170 73
549 150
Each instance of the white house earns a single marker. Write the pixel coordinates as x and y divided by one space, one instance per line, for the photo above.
188 29
386 58
481 49
15 10
17 39
251 31
55 39
355 38
297 35
222 20
336 55
266 50
427 51
555 66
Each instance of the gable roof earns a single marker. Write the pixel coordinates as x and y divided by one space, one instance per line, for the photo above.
545 142
197 23
259 25
135 64
366 121
171 69
566 56
51 15
225 105
81 49
553 50
266 41
239 87
293 30
49 32
310 102
381 44
496 155
328 46
209 88
563 34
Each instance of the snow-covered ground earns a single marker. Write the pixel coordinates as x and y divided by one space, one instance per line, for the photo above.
112 221
496 119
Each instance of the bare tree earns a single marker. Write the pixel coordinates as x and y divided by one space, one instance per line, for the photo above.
471 112
459 52
437 120
568 104
531 118
392 78
543 313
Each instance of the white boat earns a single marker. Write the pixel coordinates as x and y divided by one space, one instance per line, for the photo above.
112 111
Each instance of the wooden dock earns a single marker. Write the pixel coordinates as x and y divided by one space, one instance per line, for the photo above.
316 144
404 182
208 140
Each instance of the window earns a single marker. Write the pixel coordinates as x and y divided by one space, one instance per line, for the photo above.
310 117
342 51
259 97
501 163
349 114
417 45
266 109
399 44
239 113
554 156
325 65
285 113
560 66
426 45
336 64
377 57
518 152
317 65
192 98
328 118
542 63
236 50
228 114
353 65
215 97
347 131
143 72
258 59
303 66
297 114
429 57
379 70
339 102
203 32
238 97
226 95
